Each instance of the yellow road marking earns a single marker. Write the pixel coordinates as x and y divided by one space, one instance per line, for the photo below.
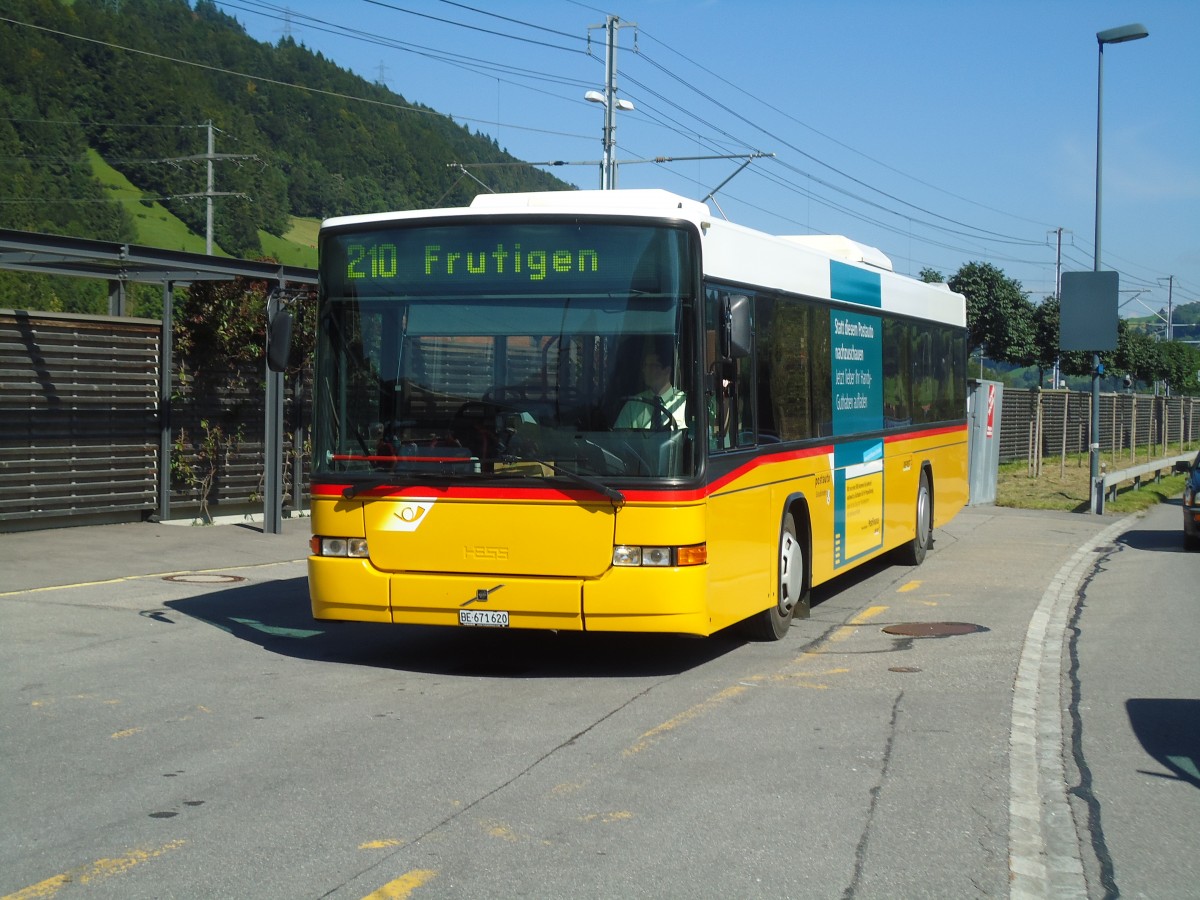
911 586
867 614
126 733
844 632
607 818
500 830
687 715
101 868
380 845
154 575
404 885
705 706
802 679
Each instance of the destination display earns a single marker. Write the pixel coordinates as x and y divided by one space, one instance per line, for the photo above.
503 259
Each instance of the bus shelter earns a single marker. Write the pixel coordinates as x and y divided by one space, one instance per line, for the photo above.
123 264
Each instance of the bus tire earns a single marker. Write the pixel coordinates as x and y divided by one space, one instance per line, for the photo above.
772 623
913 553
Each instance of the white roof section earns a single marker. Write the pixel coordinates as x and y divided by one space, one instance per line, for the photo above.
652 202
840 247
797 264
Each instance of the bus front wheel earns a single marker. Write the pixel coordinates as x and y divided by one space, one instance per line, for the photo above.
772 623
913 553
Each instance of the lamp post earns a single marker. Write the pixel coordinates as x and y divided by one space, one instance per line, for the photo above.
608 162
1111 36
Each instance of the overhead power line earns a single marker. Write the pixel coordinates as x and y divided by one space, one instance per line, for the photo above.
953 226
862 199
402 107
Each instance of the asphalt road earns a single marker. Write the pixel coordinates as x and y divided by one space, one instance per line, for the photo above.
1134 697
184 729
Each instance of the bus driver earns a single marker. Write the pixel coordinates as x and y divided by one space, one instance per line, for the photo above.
661 405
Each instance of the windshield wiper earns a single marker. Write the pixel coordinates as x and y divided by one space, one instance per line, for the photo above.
351 491
379 479
614 496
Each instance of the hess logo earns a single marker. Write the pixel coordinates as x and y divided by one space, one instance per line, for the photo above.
409 514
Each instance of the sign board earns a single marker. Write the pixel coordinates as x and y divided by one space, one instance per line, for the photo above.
991 414
1088 311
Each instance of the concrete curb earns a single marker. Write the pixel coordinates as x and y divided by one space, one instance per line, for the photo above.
1043 843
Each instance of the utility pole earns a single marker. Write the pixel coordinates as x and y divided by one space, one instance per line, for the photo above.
608 165
1058 264
1056 378
208 192
1170 306
210 157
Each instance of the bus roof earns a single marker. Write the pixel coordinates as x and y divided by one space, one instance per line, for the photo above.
821 266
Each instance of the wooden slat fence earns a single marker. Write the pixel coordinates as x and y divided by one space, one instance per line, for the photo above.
78 416
79 427
1131 425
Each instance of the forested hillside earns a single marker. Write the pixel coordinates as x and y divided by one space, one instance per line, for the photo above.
96 106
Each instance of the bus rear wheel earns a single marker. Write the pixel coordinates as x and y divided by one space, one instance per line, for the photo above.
772 623
913 553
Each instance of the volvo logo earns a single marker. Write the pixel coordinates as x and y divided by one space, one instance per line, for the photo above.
481 596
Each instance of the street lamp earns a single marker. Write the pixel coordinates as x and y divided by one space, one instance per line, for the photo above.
1111 36
608 162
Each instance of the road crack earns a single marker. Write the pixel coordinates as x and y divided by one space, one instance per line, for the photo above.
860 852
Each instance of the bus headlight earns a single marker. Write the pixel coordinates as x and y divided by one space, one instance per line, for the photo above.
355 547
627 556
632 556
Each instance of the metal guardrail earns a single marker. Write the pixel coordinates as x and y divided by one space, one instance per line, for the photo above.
1106 485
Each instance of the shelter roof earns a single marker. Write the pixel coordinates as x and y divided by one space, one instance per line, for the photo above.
49 254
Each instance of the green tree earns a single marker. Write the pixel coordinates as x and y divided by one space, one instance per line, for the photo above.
1045 336
1137 354
1179 364
999 315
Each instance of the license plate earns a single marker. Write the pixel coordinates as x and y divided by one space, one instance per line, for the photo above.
486 618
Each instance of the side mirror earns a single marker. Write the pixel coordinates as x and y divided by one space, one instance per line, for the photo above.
279 340
735 327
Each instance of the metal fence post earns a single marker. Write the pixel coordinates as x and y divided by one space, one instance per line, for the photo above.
166 363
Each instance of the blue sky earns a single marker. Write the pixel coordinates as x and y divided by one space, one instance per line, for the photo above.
940 132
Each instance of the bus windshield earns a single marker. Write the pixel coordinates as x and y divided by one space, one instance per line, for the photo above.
505 350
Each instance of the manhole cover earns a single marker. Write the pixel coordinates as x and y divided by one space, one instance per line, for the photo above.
204 578
932 629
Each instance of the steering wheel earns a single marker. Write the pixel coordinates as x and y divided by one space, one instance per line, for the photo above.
661 418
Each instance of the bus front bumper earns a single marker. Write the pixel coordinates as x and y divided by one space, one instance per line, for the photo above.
667 600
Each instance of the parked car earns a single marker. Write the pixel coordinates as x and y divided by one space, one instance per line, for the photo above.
1191 507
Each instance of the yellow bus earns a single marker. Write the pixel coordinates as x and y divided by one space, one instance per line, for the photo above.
613 411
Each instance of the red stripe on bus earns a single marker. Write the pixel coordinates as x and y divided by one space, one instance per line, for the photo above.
680 495
763 460
916 435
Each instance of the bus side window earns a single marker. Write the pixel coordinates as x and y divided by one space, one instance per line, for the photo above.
718 376
730 387
768 430
743 384
897 385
